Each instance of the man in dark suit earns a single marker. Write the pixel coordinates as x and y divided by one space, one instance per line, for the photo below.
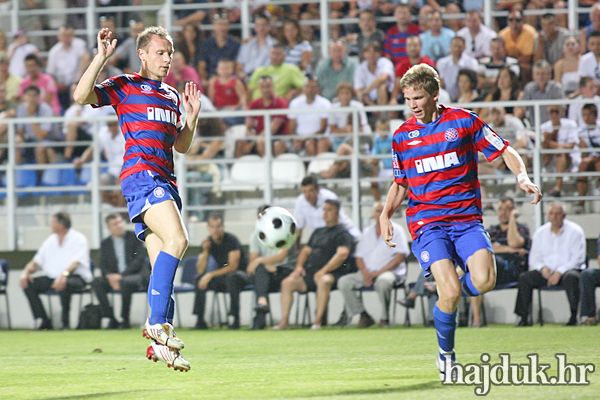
124 267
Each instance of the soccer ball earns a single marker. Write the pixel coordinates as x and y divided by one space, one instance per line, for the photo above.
277 228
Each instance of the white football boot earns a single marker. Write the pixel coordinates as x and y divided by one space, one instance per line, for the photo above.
172 357
447 360
163 334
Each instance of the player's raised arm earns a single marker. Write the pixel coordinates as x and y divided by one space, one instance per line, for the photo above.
394 199
190 99
515 163
84 92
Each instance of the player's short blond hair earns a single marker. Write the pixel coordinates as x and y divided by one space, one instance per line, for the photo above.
146 36
421 76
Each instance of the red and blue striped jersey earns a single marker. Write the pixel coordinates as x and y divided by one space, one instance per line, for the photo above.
439 163
394 44
150 119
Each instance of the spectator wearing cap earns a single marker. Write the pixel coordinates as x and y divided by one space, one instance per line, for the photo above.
17 51
45 82
335 69
11 81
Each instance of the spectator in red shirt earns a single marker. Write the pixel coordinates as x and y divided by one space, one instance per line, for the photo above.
255 124
394 46
227 92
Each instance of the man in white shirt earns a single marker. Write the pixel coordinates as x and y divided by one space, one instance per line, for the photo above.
589 137
589 63
588 89
379 266
308 210
63 62
560 133
556 257
374 77
64 261
255 52
449 66
477 36
17 51
309 125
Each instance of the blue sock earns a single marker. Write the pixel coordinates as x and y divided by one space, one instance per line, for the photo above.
163 276
171 309
445 327
150 292
468 289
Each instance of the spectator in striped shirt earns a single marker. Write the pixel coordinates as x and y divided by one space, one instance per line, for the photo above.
394 46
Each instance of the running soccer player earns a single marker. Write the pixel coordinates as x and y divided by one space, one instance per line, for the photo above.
435 156
150 120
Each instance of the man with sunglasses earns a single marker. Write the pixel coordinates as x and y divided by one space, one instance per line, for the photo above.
477 36
519 39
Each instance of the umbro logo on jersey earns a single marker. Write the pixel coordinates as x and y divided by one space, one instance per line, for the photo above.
413 134
414 142
155 292
436 163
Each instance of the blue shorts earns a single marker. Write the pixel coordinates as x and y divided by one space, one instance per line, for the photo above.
144 189
456 242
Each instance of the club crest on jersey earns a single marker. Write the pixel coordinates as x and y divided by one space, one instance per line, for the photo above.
451 135
436 163
413 134
159 192
424 256
146 89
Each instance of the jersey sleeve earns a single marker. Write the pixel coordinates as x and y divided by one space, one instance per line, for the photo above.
112 91
399 173
486 140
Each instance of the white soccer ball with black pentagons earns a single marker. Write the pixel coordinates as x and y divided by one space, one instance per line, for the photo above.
277 228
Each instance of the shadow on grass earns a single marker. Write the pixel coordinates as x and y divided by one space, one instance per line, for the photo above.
95 395
384 390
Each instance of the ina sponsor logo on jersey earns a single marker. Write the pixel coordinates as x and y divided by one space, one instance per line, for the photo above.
159 192
413 134
436 163
424 256
451 135
161 115
146 89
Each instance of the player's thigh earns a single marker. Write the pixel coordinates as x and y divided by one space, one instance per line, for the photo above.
474 248
446 278
482 265
164 220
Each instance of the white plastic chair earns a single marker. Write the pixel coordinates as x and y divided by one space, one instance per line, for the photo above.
322 162
247 173
232 135
287 170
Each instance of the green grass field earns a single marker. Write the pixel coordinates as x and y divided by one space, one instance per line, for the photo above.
298 364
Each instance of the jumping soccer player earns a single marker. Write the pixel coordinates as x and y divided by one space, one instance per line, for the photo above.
150 120
435 155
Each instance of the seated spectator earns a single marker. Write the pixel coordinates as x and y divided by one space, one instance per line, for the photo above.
8 109
112 149
510 128
467 86
590 62
288 80
588 89
309 35
64 261
519 39
220 45
382 143
537 21
230 273
335 69
8 79
298 52
423 16
379 266
189 39
44 82
455 24
374 77
255 52
319 265
42 133
266 268
394 46
126 56
593 25
367 33
18 50
589 137
63 62
449 66
423 286
310 126
227 92
255 124
124 267
559 133
550 41
340 123
541 88
489 67
566 68
557 256
436 40
189 15
181 72
477 36
511 243
589 280
506 88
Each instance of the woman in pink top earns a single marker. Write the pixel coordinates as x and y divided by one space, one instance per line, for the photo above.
181 73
